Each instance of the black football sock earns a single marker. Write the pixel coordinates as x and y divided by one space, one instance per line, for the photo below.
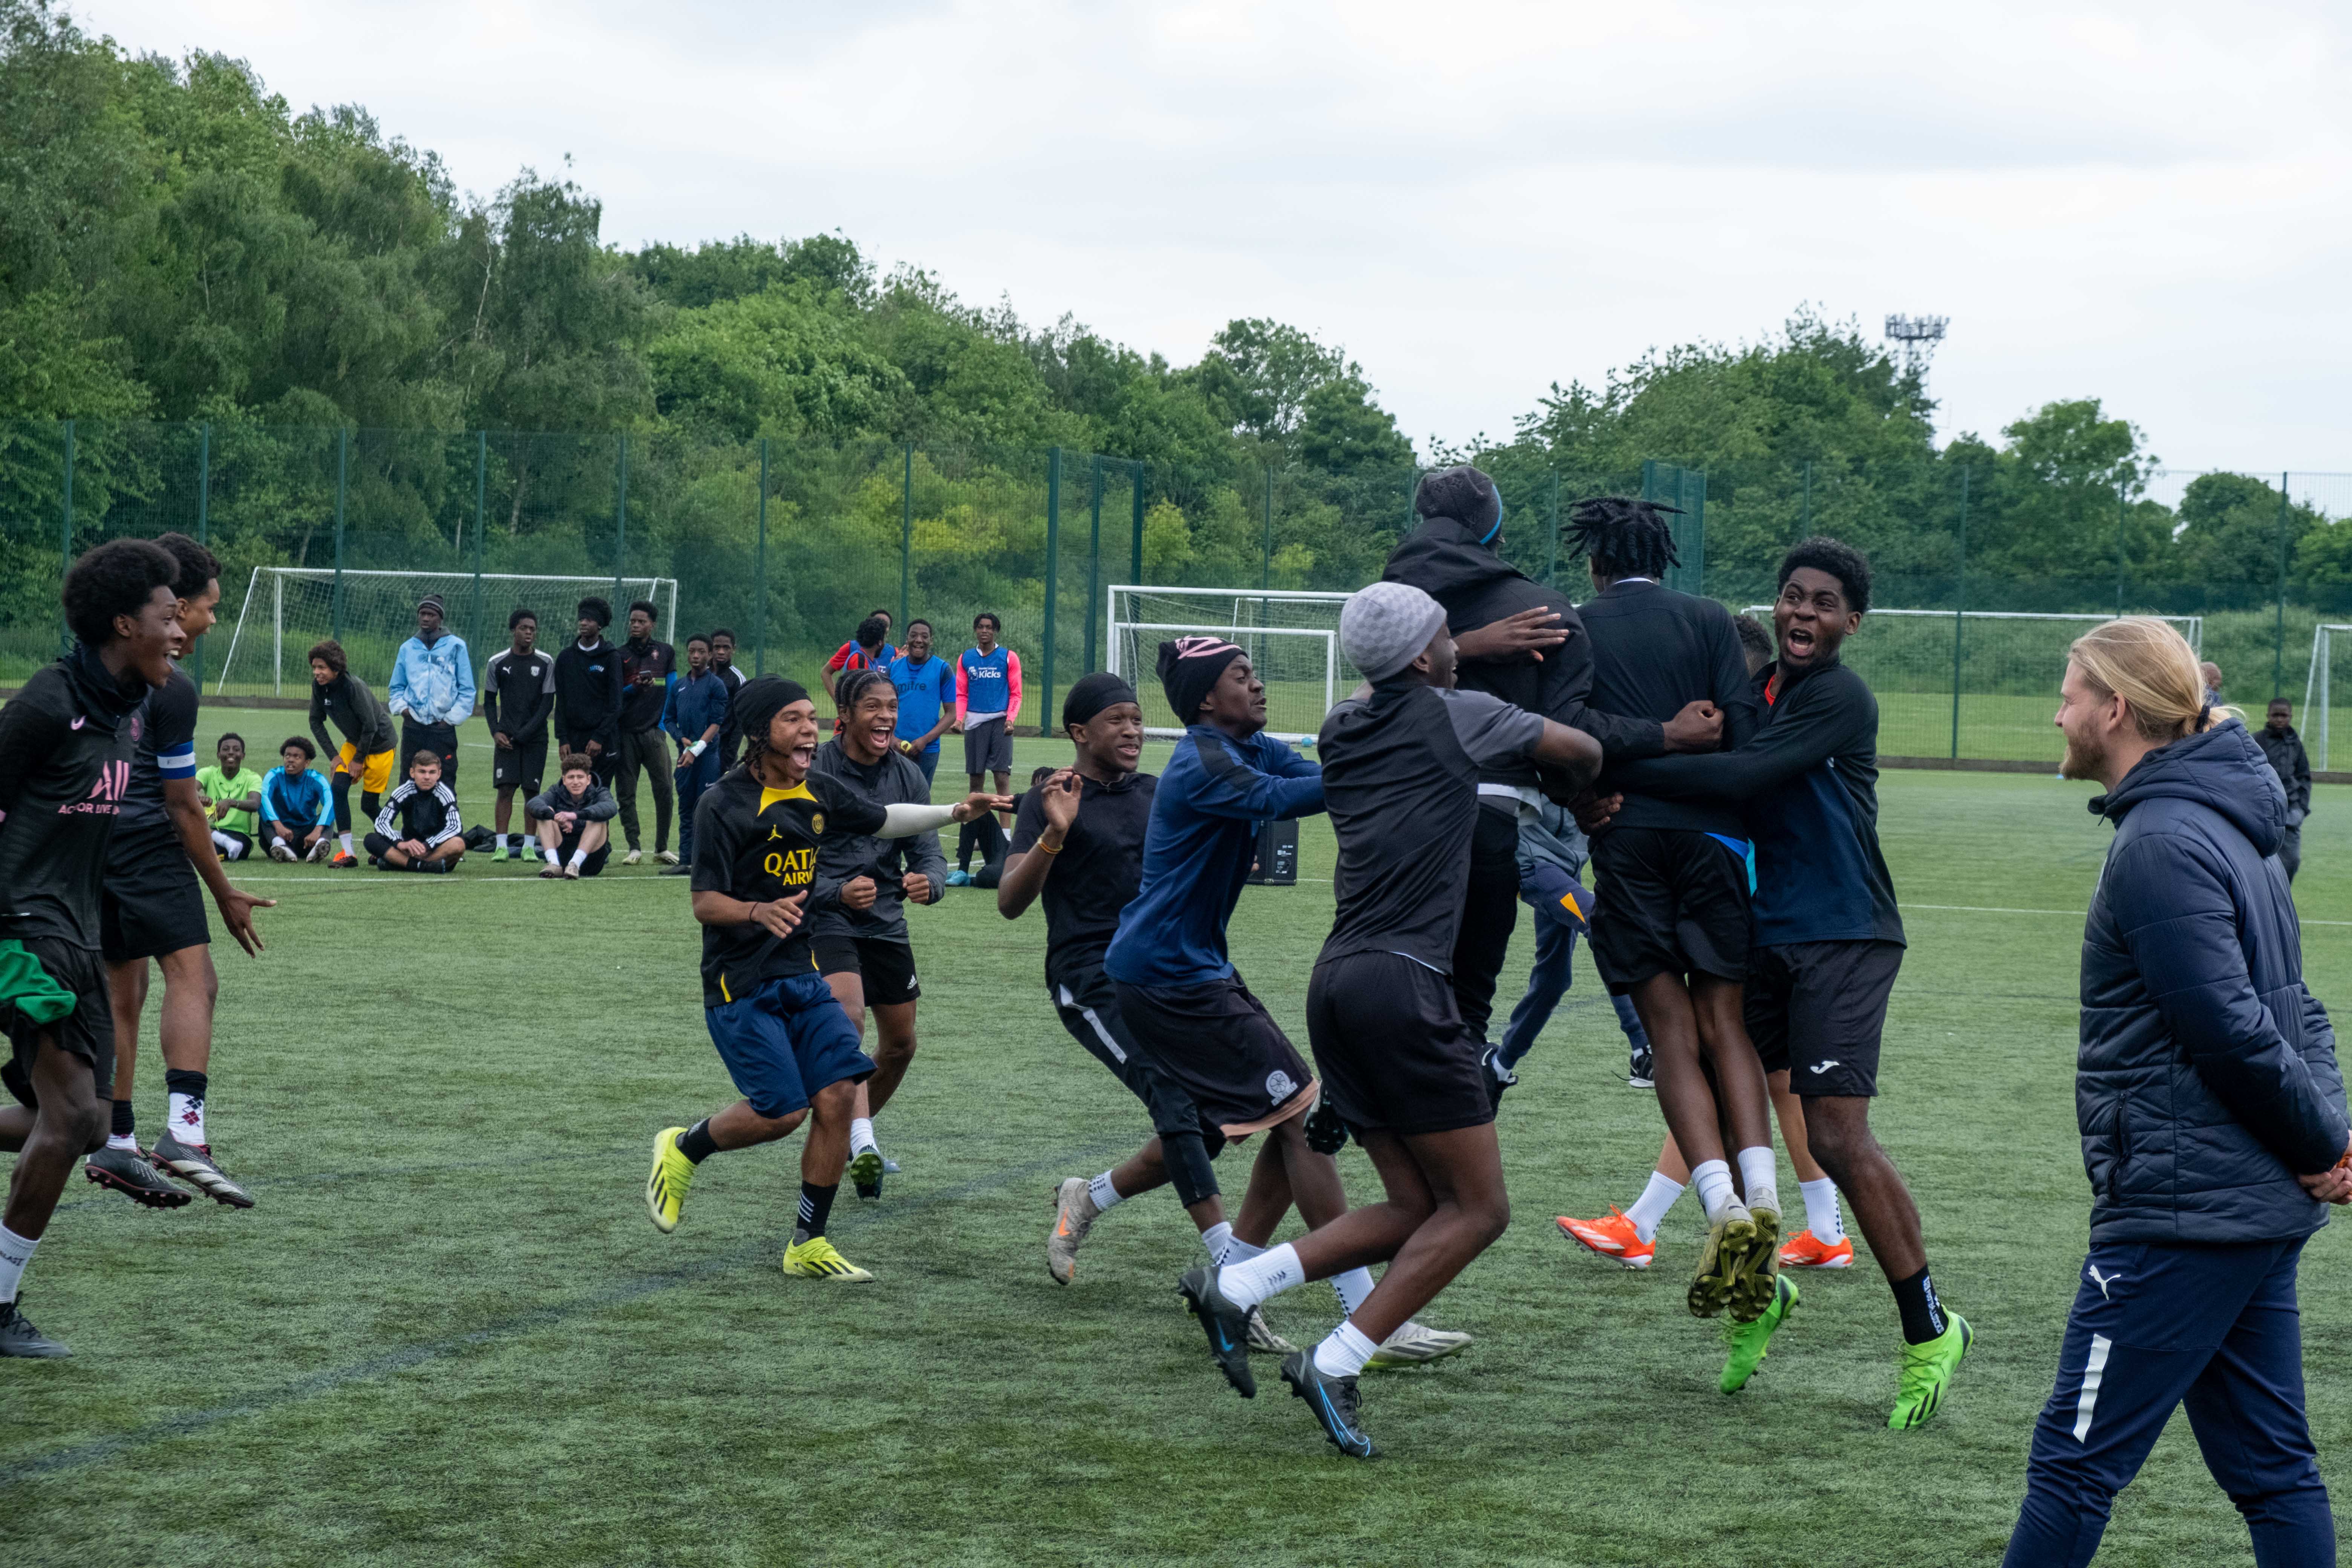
124 1125
816 1208
697 1143
1923 1314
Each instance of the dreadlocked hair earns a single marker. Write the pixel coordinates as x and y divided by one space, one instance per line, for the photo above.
1625 537
855 684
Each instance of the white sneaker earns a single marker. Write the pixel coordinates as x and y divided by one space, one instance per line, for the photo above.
632 856
320 850
280 852
1073 1214
667 857
1415 1343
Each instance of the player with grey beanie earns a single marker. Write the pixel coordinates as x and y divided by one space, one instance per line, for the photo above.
1383 628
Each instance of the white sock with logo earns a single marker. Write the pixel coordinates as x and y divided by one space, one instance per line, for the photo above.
1650 1209
1216 1239
1102 1192
1821 1216
861 1135
1712 1179
16 1252
187 1118
122 1141
1270 1273
1353 1287
1236 1250
1759 1176
1344 1354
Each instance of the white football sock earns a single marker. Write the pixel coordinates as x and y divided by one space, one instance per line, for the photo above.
186 1119
1344 1352
224 845
16 1251
579 857
1102 1192
1712 1179
861 1135
122 1141
1216 1239
1270 1273
1353 1287
1650 1209
1758 1175
552 857
1821 1217
1240 1251
345 840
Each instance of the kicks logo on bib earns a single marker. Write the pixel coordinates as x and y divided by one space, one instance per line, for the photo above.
1278 1087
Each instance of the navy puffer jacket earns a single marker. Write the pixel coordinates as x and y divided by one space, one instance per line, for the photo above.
2207 1075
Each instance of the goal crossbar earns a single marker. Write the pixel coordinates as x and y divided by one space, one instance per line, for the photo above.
2192 626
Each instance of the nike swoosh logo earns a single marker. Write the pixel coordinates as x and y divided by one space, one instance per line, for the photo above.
1826 1066
76 723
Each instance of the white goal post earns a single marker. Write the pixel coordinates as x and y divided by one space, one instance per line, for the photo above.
1291 635
296 606
2318 690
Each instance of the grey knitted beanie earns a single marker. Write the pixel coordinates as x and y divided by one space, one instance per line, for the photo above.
1382 628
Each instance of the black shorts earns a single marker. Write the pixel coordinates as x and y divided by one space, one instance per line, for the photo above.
1815 1010
988 747
591 863
888 968
520 766
1391 1043
87 1032
1220 1046
151 903
1088 1004
1667 901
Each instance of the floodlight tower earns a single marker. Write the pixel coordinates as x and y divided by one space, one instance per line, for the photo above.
1918 335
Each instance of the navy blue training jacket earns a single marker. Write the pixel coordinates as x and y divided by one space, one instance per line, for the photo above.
2207 1076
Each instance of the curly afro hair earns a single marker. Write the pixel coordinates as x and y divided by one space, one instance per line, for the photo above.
1840 561
117 578
1625 537
595 609
198 565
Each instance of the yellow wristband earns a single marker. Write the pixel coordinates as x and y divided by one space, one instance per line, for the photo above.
1047 847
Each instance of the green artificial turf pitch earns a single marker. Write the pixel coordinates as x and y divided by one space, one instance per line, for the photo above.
448 1335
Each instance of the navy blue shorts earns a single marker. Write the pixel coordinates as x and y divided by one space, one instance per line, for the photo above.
785 1041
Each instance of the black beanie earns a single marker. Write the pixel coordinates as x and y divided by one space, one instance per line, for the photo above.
1091 695
760 699
1188 667
1462 493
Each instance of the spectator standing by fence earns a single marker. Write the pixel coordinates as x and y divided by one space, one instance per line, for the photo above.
696 714
2283 748
722 665
926 699
517 699
432 689
588 692
647 669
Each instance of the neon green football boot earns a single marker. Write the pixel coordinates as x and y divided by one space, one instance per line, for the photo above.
816 1259
666 1184
1751 1341
1927 1371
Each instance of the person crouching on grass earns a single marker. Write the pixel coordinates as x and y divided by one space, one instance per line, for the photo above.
573 821
418 830
788 1046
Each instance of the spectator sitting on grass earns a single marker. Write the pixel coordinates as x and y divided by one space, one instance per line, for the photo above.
232 798
418 830
571 819
296 809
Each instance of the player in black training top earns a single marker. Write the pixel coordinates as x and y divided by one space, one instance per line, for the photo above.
66 744
788 1046
152 907
1077 843
518 700
1671 884
1399 1063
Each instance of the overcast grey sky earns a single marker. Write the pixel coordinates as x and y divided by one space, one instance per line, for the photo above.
2142 202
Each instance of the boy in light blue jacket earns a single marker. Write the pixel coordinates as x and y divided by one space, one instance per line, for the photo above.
432 689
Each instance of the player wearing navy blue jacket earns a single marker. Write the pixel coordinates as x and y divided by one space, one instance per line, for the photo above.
1828 937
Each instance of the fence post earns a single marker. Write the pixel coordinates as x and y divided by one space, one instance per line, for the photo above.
1805 517
1094 565
906 538
1266 546
203 524
65 540
343 488
1136 574
760 573
1552 557
482 524
2278 649
621 518
2120 513
1052 560
1959 606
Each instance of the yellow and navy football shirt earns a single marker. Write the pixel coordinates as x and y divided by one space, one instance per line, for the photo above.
759 843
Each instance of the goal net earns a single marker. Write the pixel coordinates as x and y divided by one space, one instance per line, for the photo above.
2319 692
1292 637
289 608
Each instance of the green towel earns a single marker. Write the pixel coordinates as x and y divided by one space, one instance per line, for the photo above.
27 986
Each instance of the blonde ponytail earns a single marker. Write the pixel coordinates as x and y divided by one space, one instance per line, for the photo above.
2151 667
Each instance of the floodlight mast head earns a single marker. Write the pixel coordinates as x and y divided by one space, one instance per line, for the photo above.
1918 335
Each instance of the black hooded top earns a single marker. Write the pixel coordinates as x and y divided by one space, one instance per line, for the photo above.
1444 559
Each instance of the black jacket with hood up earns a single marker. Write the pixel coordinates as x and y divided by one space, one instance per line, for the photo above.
2206 1078
1445 558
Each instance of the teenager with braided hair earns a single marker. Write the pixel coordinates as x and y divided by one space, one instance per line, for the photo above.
1673 879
